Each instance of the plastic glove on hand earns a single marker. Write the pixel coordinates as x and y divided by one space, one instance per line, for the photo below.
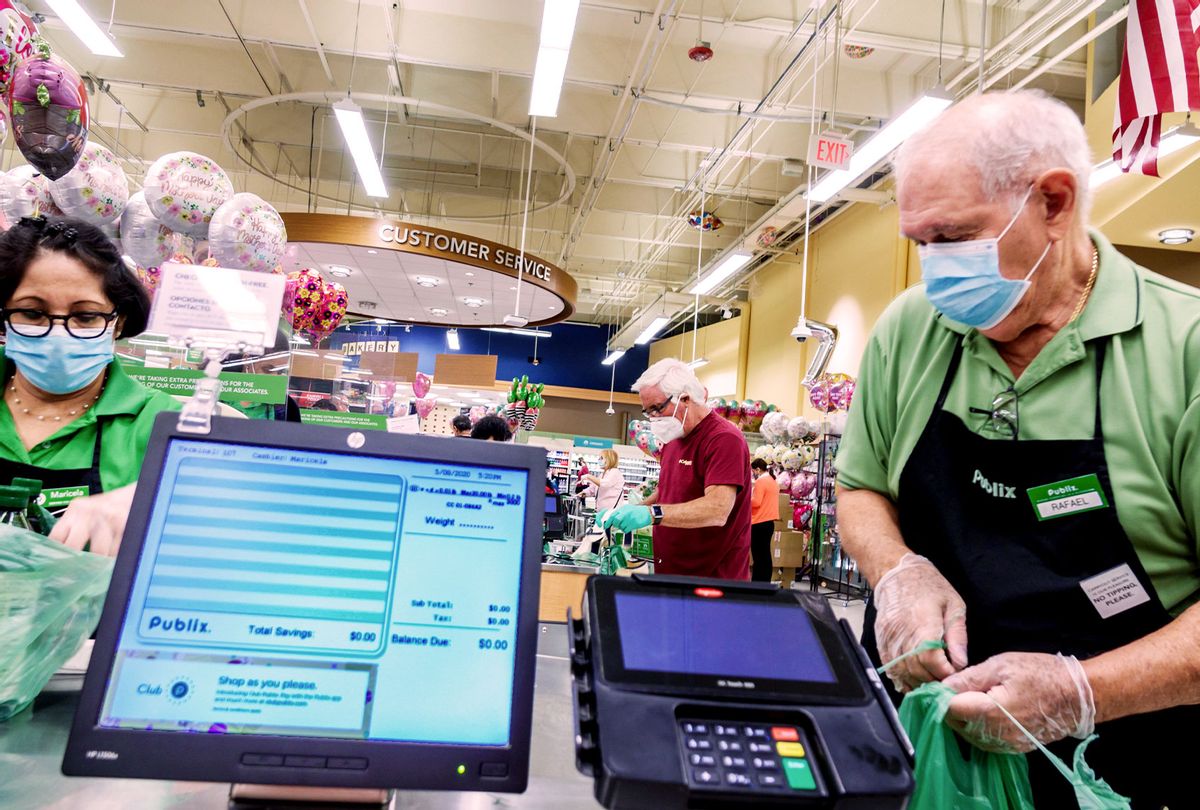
96 522
914 603
1047 694
627 518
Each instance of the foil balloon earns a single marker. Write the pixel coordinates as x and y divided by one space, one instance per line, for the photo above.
818 395
200 250
767 236
48 106
425 406
841 391
797 428
421 383
804 484
784 480
143 238
17 31
302 295
185 189
24 192
705 221
476 413
247 233
329 311
3 126
801 515
96 190
753 411
790 460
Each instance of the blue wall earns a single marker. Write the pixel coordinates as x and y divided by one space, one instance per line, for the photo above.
570 358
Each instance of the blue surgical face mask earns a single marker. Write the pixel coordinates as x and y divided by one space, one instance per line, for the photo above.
963 280
59 363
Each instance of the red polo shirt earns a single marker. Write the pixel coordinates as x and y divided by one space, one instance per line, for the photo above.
714 453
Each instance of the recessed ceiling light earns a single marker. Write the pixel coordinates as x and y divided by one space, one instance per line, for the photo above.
371 251
439 312
1176 236
469 274
427 281
512 288
338 270
474 303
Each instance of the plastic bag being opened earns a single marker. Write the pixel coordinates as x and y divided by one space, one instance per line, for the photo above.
50 602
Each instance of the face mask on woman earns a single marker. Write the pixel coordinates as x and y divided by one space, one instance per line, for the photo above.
59 362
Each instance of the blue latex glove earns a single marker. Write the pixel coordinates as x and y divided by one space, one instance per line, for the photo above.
627 518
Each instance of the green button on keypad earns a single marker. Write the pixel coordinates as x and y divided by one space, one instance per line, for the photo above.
799 774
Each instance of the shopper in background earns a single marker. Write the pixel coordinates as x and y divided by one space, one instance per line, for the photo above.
462 426
610 484
492 428
764 511
72 418
1020 475
701 509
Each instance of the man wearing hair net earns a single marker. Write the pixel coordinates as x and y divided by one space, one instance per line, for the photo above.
701 509
1020 474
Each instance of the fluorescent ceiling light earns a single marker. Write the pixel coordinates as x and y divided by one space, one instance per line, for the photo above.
1176 236
698 362
554 47
339 271
650 331
882 143
452 340
526 332
613 356
84 27
724 269
354 130
1178 138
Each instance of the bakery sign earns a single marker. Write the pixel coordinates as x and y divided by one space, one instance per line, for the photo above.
465 246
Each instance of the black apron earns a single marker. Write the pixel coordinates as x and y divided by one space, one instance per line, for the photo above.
1020 579
58 479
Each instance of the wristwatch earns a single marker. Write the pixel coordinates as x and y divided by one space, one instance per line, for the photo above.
656 512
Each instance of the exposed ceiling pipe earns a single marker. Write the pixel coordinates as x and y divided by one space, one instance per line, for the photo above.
1007 40
647 56
1032 51
1112 20
317 43
740 113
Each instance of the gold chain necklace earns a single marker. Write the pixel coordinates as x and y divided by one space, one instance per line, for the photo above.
1087 288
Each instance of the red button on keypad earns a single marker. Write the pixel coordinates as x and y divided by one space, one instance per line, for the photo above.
785 734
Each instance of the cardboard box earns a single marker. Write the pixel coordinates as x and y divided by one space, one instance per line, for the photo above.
789 549
785 509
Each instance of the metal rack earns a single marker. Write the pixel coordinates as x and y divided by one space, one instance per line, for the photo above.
833 568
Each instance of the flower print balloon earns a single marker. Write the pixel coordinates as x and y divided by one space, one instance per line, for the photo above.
48 106
185 189
96 190
247 233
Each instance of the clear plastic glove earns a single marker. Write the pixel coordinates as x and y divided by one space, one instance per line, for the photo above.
915 603
1047 694
96 522
628 518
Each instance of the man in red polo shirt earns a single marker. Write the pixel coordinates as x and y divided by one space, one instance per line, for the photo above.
701 510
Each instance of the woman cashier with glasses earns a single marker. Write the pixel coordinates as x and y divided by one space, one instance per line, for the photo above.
72 418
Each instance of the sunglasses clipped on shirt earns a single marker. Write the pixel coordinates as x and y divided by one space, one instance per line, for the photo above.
1002 419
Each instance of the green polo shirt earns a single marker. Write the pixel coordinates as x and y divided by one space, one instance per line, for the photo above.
1149 394
127 408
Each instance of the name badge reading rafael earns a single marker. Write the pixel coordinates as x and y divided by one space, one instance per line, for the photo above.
1069 497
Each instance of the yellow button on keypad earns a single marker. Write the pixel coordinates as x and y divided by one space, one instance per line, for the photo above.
789 749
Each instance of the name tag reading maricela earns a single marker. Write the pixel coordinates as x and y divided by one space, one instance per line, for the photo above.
1069 497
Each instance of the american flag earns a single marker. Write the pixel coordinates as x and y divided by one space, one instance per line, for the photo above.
1159 74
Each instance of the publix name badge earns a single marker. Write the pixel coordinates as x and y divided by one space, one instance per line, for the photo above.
1069 497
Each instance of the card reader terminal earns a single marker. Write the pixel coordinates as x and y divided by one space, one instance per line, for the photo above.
693 692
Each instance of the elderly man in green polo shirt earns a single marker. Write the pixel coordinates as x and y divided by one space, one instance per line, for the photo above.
1020 475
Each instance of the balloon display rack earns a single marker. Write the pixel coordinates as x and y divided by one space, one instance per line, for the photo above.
834 570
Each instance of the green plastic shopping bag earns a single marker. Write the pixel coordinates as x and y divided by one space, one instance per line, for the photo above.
951 773
50 602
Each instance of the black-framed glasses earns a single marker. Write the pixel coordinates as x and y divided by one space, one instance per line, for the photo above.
656 410
36 323
1002 417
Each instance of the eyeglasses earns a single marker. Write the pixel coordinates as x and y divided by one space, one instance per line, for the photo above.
35 323
1002 416
656 410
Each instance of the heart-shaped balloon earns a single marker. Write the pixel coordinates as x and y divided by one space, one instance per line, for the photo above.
330 310
247 233
185 189
421 384
96 190
48 106
477 412
143 238
425 407
302 295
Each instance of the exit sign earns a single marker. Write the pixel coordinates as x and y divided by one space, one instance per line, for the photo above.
830 151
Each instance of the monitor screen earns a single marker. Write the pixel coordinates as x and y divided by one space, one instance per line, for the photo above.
310 593
684 635
551 504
